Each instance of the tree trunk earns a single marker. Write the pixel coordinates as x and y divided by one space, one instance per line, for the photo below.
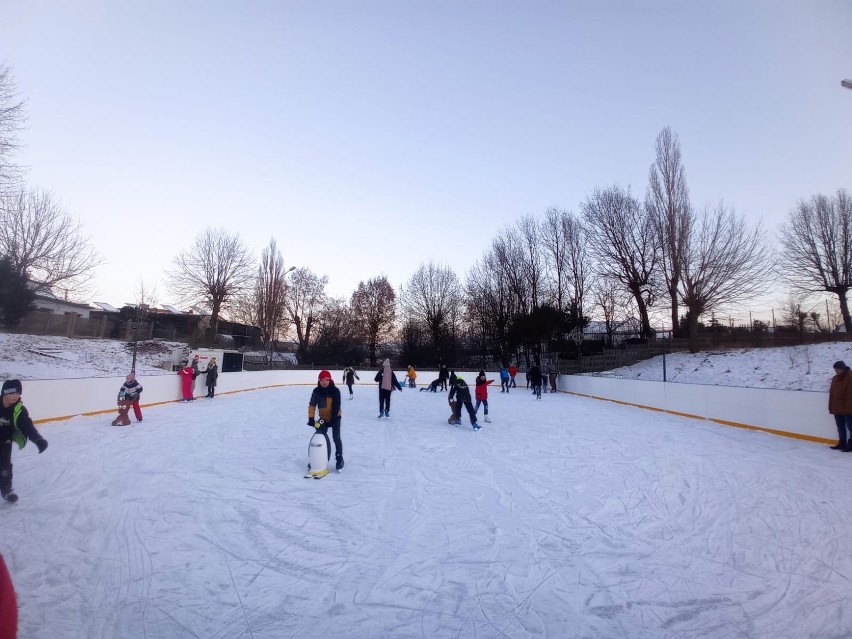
844 310
692 318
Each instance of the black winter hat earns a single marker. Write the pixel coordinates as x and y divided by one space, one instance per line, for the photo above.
840 364
12 386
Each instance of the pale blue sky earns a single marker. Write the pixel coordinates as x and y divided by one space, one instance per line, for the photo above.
368 137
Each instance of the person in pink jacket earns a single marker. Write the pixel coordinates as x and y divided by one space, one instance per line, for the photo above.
482 393
186 378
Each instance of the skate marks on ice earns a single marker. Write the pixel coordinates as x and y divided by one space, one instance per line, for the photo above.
563 515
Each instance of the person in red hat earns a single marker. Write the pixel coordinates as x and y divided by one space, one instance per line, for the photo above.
325 406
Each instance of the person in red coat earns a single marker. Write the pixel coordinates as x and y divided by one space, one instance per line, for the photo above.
481 393
513 370
8 604
186 374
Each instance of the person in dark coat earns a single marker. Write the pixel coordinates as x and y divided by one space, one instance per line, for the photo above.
349 377
15 426
443 376
460 392
387 384
324 412
212 376
534 378
840 405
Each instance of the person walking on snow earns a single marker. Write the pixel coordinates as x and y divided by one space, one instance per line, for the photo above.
325 405
481 392
461 393
212 377
387 384
840 405
349 377
15 426
186 382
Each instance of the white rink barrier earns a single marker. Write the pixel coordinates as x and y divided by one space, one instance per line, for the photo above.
57 399
799 414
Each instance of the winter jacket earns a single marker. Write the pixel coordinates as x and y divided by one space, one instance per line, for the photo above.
16 425
325 403
394 381
513 370
840 394
482 387
349 376
534 375
130 391
459 390
504 373
212 374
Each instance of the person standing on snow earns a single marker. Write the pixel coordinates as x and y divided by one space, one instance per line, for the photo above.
349 377
443 376
325 405
481 392
15 426
387 384
534 379
212 377
840 405
461 393
186 382
412 376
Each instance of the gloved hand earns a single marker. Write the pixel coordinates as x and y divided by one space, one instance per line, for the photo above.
311 421
41 444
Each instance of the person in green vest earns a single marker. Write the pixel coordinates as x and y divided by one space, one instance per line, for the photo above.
15 426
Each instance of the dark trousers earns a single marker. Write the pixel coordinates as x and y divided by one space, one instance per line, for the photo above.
350 389
384 399
335 434
512 383
843 422
6 466
469 406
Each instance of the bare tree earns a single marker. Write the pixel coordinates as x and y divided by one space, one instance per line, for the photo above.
432 297
622 239
46 245
303 302
667 202
146 295
263 304
613 302
12 118
374 311
817 248
213 272
724 263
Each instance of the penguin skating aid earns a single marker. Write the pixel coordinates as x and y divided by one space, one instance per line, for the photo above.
318 454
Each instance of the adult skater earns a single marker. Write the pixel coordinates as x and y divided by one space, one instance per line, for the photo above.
504 379
212 377
387 384
15 425
461 393
840 405
534 378
443 376
325 404
349 377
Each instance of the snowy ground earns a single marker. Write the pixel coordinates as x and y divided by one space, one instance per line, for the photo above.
565 517
791 368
